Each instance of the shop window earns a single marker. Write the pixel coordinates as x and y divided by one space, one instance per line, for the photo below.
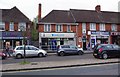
92 26
47 28
22 26
102 27
11 28
2 26
58 28
114 27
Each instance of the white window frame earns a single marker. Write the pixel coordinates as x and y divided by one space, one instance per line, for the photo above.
102 27
92 26
11 26
68 28
83 27
113 27
22 25
2 26
47 27
59 28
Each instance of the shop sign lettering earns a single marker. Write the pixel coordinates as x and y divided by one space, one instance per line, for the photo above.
97 33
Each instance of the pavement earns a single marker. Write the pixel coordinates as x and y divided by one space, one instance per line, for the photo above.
55 64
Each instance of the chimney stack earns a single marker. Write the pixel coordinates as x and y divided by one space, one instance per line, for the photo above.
98 8
39 12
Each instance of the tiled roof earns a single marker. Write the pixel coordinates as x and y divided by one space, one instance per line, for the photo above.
13 15
94 16
58 16
75 15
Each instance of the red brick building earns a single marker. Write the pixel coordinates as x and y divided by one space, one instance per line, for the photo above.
78 27
12 22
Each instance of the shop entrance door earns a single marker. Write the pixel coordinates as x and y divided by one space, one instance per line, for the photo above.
84 46
61 42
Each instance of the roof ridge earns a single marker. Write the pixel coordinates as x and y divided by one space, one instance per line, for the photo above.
93 10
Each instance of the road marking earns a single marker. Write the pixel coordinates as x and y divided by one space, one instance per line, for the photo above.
61 68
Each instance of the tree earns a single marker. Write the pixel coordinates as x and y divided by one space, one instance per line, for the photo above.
34 31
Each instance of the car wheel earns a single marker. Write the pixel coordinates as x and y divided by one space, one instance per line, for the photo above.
18 56
3 58
61 53
80 53
40 55
104 56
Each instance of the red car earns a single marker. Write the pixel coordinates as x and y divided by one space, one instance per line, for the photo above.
3 55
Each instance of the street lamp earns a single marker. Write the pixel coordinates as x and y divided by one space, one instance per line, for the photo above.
22 29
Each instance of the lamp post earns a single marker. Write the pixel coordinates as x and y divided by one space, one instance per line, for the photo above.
22 28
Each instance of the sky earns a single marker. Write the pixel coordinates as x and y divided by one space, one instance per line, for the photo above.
30 7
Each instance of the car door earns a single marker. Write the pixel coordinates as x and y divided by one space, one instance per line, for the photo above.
34 51
116 50
66 48
109 49
27 51
73 49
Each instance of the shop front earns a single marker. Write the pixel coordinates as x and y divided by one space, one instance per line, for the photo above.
115 38
12 39
50 41
101 37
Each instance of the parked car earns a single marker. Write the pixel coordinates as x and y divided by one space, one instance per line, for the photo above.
3 55
29 50
106 50
69 49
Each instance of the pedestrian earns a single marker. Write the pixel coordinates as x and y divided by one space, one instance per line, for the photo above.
7 50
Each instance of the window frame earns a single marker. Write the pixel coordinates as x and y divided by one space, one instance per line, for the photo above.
84 27
59 28
92 26
2 26
68 28
20 24
11 26
47 27
102 27
113 27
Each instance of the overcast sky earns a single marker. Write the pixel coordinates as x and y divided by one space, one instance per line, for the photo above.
30 7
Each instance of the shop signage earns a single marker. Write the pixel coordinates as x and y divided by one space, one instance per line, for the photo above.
57 35
12 35
100 33
115 33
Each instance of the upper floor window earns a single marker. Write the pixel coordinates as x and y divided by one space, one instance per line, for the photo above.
102 27
22 26
83 27
2 26
92 26
11 28
68 28
114 27
58 28
47 28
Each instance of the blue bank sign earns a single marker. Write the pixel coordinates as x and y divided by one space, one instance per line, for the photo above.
59 35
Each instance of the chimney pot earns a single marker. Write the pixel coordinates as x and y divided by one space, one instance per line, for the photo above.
98 8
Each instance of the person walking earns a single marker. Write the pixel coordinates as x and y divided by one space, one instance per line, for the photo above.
7 50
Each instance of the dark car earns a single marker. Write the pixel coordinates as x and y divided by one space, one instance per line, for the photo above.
3 55
69 49
106 50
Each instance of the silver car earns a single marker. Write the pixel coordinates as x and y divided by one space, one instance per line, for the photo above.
69 49
29 51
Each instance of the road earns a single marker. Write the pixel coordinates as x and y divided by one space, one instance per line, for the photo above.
106 69
52 57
